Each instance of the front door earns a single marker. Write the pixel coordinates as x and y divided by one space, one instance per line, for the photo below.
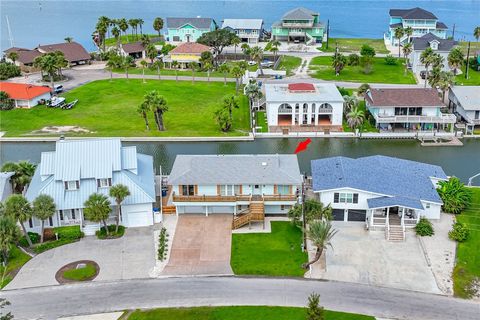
256 189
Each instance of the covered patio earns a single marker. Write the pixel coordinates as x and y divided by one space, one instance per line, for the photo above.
384 212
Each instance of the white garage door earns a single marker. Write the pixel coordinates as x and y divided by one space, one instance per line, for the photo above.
139 219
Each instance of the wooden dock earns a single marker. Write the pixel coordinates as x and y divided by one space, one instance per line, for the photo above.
441 142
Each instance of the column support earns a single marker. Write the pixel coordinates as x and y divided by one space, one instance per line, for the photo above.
206 211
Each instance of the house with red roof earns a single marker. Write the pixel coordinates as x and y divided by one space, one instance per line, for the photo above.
187 52
25 95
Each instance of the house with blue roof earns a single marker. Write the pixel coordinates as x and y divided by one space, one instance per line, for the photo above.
383 192
79 168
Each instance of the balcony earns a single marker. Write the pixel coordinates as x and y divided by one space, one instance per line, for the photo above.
216 198
308 24
297 33
444 118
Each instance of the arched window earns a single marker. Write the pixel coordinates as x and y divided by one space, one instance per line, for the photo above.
297 107
313 108
285 108
305 108
325 108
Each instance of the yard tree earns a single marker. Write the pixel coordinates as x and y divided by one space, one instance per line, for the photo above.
253 92
408 31
237 72
151 52
174 65
140 23
145 40
13 56
143 109
9 235
455 196
312 210
235 42
274 44
223 119
43 208
217 39
126 64
116 34
338 63
101 28
355 118
455 59
256 53
7 104
399 33
246 49
445 81
225 69
61 62
193 66
97 209
350 103
314 309
159 66
437 65
206 59
158 25
18 208
47 63
114 61
476 32
367 51
362 90
407 49
230 102
123 25
158 105
119 192
208 66
24 172
426 58
144 64
320 233
133 24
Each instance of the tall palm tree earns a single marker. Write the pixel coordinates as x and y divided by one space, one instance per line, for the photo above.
320 234
123 25
159 66
408 32
140 23
143 110
133 25
224 69
193 67
48 64
246 49
145 40
446 81
18 207
158 105
350 103
256 53
355 118
158 25
43 208
144 64
235 42
116 34
114 61
97 209
455 59
174 65
151 52
230 102
127 63
9 235
338 63
476 33
274 44
399 33
253 92
407 50
119 192
237 72
426 58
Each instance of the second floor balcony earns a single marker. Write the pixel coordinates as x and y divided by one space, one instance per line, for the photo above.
298 24
234 198
443 118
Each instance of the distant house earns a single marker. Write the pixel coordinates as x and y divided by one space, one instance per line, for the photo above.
248 30
408 109
5 185
299 25
79 168
74 53
465 101
420 20
438 45
25 95
379 191
135 49
299 107
188 29
186 52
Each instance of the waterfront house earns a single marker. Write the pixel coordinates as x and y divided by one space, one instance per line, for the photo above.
294 107
25 58
248 30
135 49
378 190
185 53
299 25
6 185
188 29
79 168
408 109
25 95
246 186
420 20
465 102
437 44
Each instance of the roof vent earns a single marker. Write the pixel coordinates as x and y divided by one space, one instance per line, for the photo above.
264 164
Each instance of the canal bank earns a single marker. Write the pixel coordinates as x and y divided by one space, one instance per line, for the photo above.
459 161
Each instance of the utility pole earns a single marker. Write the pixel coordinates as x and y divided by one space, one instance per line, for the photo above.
328 32
304 222
453 32
468 61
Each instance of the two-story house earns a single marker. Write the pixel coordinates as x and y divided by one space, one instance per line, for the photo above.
438 45
408 109
79 168
188 29
186 53
295 107
299 25
246 186
465 102
420 20
248 30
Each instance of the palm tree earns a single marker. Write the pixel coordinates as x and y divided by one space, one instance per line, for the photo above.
174 65
426 59
193 67
338 63
43 208
61 62
245 49
48 64
143 109
274 44
116 33
237 72
362 90
9 235
235 42
355 118
253 92
24 172
68 39
158 25
144 64
13 56
476 33
408 32
230 102
256 54
445 82
158 65
151 52
97 209
399 33
17 207
455 59
5 102
119 192
123 25
158 105
140 23
455 195
127 63
133 25
114 61
350 103
207 65
320 234
407 50
225 69
312 210
145 40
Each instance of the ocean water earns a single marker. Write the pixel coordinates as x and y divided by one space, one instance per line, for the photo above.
42 22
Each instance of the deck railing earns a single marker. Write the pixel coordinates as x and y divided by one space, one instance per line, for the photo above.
443 118
70 222
217 198
280 197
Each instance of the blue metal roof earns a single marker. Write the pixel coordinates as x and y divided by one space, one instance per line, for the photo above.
386 176
384 202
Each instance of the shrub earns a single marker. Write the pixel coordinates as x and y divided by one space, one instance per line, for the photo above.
459 232
8 70
367 51
101 234
34 237
424 227
70 233
42 247
455 195
343 91
162 244
49 234
353 59
390 60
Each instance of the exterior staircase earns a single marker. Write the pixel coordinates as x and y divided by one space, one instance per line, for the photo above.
169 210
256 212
90 229
394 231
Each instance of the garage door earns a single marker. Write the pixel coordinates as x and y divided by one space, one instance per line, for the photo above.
139 219
220 209
338 214
357 215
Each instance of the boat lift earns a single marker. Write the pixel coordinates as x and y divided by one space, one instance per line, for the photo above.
471 179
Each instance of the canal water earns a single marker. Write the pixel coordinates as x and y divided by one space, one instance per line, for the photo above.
462 162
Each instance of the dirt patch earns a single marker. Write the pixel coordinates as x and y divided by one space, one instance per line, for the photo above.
60 130
73 265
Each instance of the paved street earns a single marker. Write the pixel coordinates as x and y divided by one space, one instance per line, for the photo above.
97 297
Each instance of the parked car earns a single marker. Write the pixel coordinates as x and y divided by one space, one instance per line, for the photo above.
267 64
58 88
423 74
251 63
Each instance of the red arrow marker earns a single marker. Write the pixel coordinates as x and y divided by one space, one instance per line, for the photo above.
303 145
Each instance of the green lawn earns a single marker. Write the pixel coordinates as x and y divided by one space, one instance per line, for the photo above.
321 68
238 313
368 126
108 108
261 121
80 274
274 254
289 64
467 266
127 39
474 47
354 45
16 260
473 78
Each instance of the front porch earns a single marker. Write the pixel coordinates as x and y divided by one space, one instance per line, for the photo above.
394 220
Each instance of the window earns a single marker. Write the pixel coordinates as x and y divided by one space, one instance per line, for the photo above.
188 190
104 183
30 223
50 221
61 214
343 197
72 185
282 207
229 189
283 189
427 206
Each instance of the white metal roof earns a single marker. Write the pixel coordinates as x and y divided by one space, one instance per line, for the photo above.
243 23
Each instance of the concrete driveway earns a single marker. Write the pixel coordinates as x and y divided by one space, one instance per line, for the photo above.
366 257
201 246
130 257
